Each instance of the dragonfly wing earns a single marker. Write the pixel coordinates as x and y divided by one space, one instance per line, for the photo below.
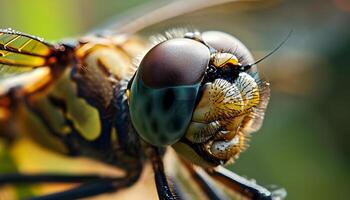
26 64
30 80
153 13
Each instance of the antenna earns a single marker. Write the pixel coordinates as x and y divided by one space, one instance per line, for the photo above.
246 67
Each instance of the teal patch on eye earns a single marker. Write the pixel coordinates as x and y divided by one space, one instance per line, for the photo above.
161 116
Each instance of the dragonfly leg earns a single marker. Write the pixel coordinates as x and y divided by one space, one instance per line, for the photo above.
245 187
91 184
88 189
47 178
92 188
205 182
163 188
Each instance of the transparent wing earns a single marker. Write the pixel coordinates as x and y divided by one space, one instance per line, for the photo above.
25 63
17 42
155 12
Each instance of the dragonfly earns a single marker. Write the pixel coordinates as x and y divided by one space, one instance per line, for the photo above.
120 100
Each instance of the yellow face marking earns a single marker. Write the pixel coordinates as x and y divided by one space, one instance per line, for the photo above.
220 99
220 59
249 90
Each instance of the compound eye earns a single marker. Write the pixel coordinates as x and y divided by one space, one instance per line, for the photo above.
227 43
175 62
164 90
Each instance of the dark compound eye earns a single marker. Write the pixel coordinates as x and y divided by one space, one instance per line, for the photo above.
164 90
175 62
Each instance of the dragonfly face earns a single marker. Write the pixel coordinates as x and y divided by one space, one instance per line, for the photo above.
198 96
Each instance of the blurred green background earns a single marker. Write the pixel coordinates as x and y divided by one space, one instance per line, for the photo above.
304 143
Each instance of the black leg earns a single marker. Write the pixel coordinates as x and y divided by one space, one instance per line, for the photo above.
163 189
91 184
205 183
92 188
47 178
177 189
89 189
241 185
83 191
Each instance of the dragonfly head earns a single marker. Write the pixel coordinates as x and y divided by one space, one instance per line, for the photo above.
199 94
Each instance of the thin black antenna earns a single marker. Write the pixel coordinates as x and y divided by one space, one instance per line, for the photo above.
246 67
